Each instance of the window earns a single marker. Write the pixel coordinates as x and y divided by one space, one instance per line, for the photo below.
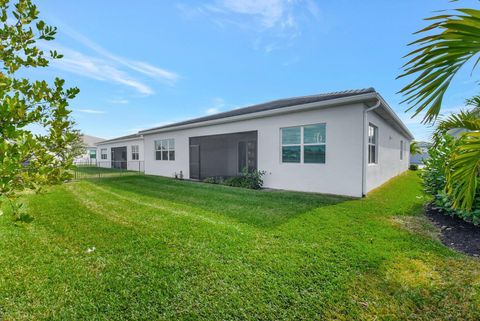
135 152
372 144
93 154
291 144
304 144
165 149
401 150
103 153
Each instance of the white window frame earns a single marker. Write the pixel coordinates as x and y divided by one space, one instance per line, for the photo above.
135 152
169 148
302 144
103 153
401 149
374 144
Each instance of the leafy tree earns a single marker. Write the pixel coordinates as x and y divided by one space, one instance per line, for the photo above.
452 40
78 147
28 160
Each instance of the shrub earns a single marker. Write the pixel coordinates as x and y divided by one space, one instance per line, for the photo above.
434 180
443 202
248 179
413 167
434 173
210 180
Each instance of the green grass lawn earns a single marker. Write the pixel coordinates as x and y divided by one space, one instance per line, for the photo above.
91 171
177 250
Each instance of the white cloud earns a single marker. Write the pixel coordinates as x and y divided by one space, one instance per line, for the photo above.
276 18
269 12
98 69
211 111
139 66
217 104
120 101
90 111
105 66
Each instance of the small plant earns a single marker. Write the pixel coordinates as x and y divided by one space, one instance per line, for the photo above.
248 179
443 202
210 180
413 167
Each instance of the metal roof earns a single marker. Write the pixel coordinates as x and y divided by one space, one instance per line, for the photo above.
90 141
271 105
132 136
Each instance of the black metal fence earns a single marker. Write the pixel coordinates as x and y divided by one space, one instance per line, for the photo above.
99 169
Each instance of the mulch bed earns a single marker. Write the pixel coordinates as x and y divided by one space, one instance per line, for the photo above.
455 232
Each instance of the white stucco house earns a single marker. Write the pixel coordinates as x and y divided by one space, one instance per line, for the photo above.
90 155
345 143
126 152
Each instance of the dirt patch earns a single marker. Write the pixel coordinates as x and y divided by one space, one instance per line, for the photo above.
455 232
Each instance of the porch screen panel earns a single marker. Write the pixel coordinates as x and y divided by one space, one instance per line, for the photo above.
224 155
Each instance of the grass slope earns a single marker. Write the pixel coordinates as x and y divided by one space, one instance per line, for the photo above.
172 250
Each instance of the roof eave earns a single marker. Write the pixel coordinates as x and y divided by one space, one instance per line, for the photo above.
285 110
106 142
397 120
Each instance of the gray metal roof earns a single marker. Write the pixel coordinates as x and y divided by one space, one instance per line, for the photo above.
119 138
275 104
90 141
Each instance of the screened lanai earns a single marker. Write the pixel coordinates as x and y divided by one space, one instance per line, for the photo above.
223 155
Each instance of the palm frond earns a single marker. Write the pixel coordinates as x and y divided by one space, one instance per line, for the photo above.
415 148
468 120
464 171
439 58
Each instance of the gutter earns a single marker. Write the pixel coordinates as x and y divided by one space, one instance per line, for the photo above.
364 145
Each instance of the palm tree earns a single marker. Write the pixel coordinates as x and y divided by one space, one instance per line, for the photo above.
464 163
415 148
439 58
454 41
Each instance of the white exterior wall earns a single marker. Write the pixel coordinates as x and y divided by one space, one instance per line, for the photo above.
85 158
133 165
389 163
341 174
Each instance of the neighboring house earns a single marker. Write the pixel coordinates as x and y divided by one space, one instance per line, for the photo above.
419 158
124 152
90 155
345 143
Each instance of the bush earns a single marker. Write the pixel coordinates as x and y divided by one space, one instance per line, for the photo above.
434 173
443 202
210 180
434 180
413 167
251 180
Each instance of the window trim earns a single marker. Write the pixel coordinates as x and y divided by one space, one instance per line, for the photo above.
135 154
169 149
102 154
375 144
302 144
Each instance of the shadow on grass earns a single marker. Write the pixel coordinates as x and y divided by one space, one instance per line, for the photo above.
260 208
23 218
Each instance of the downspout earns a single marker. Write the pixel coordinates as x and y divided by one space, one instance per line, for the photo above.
365 143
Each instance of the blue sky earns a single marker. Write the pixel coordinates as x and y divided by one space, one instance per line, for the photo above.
145 63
